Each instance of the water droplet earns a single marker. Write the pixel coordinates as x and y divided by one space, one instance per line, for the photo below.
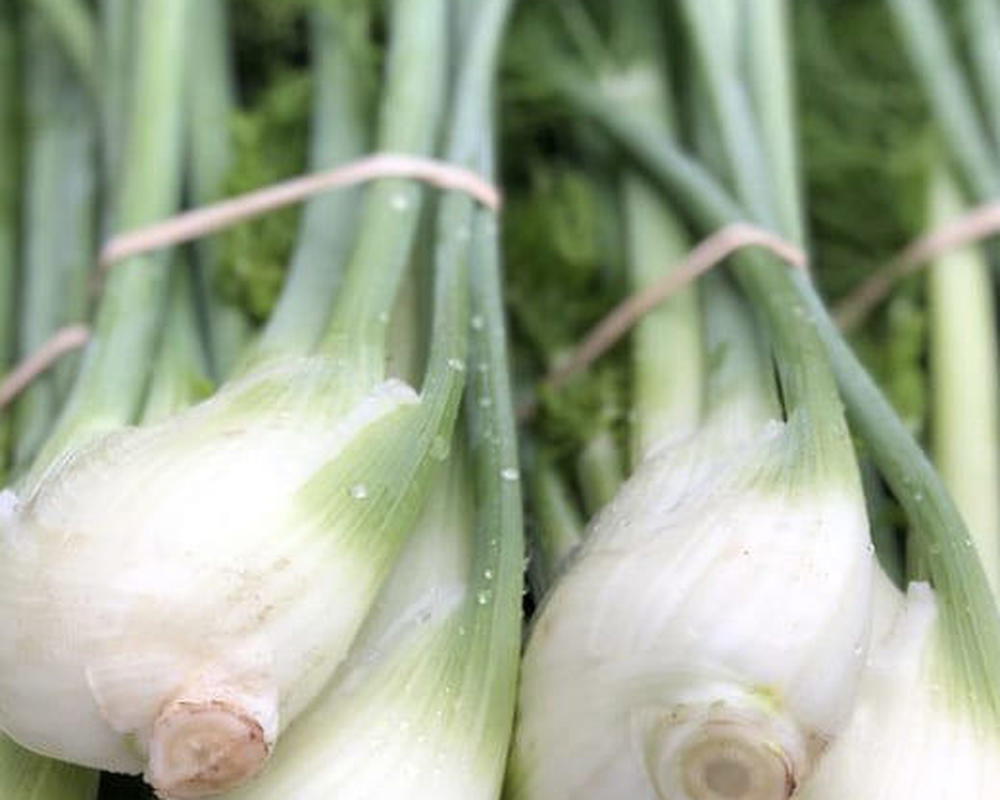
400 202
510 474
485 402
918 497
456 364
440 448
482 597
477 322
488 574
870 548
383 317
359 491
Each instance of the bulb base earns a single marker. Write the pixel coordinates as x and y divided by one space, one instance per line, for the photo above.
204 747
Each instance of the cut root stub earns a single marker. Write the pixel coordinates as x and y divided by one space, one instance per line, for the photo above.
203 748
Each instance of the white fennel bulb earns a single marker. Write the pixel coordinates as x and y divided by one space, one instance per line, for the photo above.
913 734
705 641
176 594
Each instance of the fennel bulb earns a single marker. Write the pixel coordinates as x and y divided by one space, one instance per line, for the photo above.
706 639
912 734
177 588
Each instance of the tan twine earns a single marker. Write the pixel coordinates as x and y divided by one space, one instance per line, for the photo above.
969 228
200 222
978 224
63 341
197 223
707 254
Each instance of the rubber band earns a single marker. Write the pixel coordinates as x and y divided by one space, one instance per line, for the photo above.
706 255
199 222
63 341
978 224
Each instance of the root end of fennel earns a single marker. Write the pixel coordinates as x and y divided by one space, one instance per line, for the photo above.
204 747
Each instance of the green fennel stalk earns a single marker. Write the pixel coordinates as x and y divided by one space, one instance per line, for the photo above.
117 20
340 132
112 378
388 224
179 376
210 102
963 364
73 24
59 221
922 28
9 195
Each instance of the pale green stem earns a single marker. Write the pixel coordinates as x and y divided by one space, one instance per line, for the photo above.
558 525
667 360
494 606
10 177
58 225
741 392
76 32
117 24
982 31
113 374
924 34
329 223
413 99
806 381
210 99
804 373
667 350
600 471
885 537
713 26
964 374
180 372
772 89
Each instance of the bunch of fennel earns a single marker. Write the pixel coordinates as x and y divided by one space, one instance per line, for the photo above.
706 637
185 580
717 729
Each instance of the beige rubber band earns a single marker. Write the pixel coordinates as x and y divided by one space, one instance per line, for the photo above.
706 255
191 225
978 224
63 341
